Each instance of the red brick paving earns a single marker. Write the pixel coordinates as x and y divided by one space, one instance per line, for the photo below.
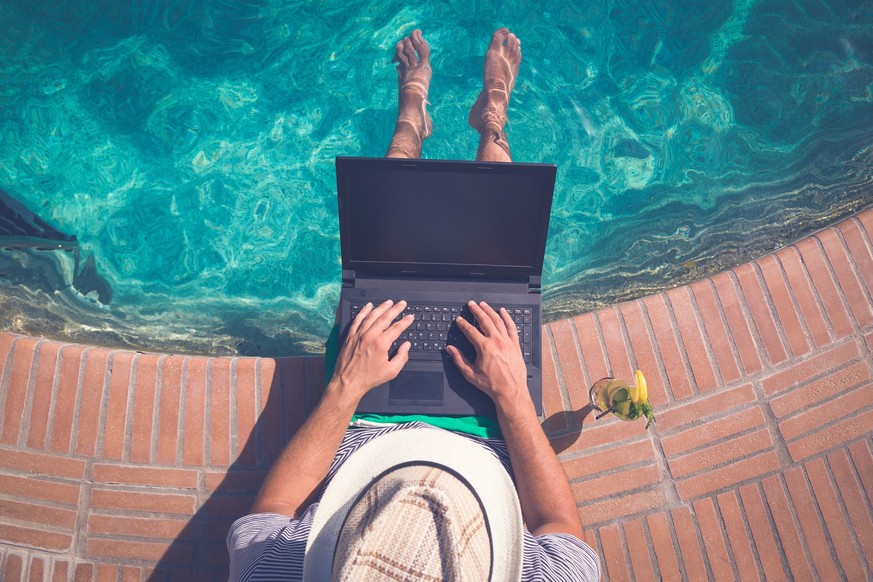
117 465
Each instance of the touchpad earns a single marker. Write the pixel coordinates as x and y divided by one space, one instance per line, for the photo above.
418 388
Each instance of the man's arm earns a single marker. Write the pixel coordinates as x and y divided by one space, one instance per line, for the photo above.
544 493
362 364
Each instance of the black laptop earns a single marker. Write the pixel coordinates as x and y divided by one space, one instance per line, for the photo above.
437 234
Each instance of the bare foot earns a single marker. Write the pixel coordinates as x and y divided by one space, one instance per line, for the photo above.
412 55
489 112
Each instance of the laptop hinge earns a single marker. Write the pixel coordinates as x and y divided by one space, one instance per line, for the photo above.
534 284
349 277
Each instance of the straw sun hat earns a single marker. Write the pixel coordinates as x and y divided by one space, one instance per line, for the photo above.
417 504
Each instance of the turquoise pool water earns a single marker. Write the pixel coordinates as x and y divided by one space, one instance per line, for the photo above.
189 146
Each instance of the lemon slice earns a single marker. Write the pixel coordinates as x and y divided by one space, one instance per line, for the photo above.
640 392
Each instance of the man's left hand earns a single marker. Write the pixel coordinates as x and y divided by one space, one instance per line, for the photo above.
363 361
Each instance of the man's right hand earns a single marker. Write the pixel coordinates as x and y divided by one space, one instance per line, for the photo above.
499 369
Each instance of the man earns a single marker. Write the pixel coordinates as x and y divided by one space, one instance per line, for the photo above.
408 501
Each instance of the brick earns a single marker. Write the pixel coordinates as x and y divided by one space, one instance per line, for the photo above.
662 542
553 407
731 474
23 352
294 407
36 571
138 501
149 476
615 483
193 437
697 411
762 317
120 367
783 513
803 292
612 335
64 413
823 389
807 515
644 354
851 493
219 418
269 417
832 436
216 554
739 539
93 381
638 549
36 538
315 383
6 341
713 430
14 568
865 220
846 404
787 315
859 250
668 346
613 553
817 365
715 330
131 574
713 541
37 514
107 573
570 358
692 338
152 527
172 370
84 572
140 550
850 561
597 462
738 322
725 450
762 533
60 571
610 430
629 504
245 395
41 464
859 305
237 481
33 488
42 393
689 546
825 287
593 356
145 392
863 460
227 506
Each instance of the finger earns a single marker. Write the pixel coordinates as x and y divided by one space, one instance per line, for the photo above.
399 360
485 322
493 315
468 329
374 315
384 320
398 327
356 322
510 325
463 364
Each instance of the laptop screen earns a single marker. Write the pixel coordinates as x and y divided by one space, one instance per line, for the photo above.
443 218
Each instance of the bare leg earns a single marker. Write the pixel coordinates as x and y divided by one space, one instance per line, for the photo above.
412 55
488 114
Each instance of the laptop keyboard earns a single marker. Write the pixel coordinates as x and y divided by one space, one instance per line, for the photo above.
434 328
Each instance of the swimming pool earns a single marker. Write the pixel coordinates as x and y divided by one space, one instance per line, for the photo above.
189 147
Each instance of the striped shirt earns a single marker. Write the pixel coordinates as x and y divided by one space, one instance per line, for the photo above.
270 546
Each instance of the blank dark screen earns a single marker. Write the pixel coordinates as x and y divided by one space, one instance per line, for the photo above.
442 218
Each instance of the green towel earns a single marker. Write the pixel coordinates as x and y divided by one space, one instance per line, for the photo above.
482 426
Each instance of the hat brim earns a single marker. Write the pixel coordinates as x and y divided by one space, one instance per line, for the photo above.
480 469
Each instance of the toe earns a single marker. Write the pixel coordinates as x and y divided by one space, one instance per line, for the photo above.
499 37
409 51
399 55
513 43
420 44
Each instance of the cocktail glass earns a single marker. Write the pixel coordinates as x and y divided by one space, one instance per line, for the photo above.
607 396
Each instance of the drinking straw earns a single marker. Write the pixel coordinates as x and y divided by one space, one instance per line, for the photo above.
605 412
